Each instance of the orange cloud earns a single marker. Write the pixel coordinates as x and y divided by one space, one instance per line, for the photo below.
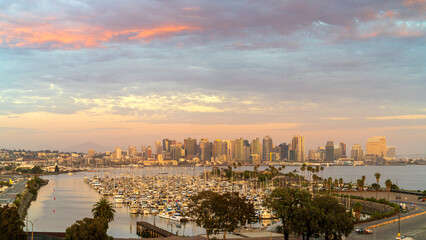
152 33
82 36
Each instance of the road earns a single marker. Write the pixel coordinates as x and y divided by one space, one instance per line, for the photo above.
415 226
9 195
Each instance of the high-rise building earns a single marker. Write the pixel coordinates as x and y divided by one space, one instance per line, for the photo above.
166 145
148 152
298 145
217 148
205 150
117 153
239 149
337 152
224 148
267 148
231 149
376 146
132 151
343 149
283 151
158 147
176 151
391 152
311 154
329 151
190 146
255 146
357 152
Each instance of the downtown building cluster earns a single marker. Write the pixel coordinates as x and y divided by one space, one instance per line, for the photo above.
256 151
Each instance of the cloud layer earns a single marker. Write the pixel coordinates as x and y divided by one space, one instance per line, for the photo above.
325 68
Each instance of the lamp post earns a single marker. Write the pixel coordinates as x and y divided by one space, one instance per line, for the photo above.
32 228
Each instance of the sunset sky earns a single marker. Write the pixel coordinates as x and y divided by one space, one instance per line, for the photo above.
121 73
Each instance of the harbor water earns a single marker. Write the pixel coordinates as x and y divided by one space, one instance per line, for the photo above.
67 198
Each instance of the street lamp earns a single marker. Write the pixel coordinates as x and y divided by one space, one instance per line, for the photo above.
32 229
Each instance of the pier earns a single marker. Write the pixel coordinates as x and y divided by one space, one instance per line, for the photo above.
148 230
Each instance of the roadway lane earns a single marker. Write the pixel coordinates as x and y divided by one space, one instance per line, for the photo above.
9 195
415 226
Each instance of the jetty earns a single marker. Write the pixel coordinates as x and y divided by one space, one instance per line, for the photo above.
147 230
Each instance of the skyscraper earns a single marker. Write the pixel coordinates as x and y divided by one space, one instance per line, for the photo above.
267 148
158 147
217 148
239 149
376 146
117 153
283 151
329 151
298 145
190 146
357 152
343 149
255 146
205 150
166 145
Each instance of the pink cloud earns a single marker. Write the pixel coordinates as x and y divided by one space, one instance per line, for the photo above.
80 36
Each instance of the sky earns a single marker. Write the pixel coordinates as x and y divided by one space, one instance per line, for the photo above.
121 73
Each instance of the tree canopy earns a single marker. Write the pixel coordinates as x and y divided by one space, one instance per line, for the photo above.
220 212
11 224
299 213
88 229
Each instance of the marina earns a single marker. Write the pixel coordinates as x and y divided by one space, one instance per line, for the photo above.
68 198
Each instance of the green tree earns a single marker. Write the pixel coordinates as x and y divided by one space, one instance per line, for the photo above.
202 207
88 228
56 168
104 209
388 184
333 218
232 210
11 224
288 204
377 176
36 170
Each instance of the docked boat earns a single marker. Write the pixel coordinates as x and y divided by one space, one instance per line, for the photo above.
134 208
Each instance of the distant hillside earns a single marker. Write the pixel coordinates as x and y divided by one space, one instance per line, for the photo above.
83 147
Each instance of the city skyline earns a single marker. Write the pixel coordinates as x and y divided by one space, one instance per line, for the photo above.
131 74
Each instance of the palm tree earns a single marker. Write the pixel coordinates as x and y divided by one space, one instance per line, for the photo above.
340 183
377 175
322 169
358 209
388 184
104 209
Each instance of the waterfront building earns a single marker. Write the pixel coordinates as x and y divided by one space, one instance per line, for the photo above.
166 145
343 149
357 152
376 146
329 151
337 152
158 147
391 152
298 145
267 148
